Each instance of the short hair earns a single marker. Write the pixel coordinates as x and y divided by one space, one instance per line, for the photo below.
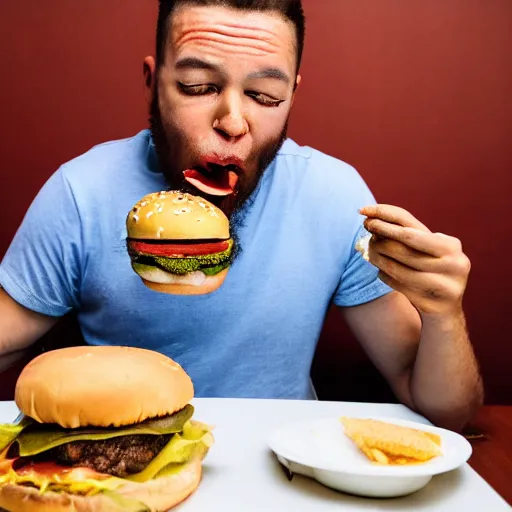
289 9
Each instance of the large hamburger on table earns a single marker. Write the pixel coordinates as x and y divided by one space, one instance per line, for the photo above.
179 243
104 429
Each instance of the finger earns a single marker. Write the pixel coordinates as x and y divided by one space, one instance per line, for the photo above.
429 288
407 256
425 242
393 269
454 244
393 215
392 283
408 279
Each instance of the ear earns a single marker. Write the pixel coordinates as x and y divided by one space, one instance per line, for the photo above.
149 68
298 80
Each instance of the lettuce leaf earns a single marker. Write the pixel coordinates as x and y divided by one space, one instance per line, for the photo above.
183 265
194 442
43 438
81 481
10 431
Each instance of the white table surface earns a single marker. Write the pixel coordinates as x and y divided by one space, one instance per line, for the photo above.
241 474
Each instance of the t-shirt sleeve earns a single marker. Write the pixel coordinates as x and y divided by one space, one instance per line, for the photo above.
41 270
359 281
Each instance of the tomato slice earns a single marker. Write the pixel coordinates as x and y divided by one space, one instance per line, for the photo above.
173 249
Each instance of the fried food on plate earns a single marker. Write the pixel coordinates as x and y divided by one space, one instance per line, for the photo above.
386 443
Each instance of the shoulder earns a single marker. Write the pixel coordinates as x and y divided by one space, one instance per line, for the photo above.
114 173
325 193
104 161
319 175
106 166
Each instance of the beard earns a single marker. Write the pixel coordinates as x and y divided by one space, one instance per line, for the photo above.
171 148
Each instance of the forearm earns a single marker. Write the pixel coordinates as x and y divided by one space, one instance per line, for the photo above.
10 359
19 329
445 383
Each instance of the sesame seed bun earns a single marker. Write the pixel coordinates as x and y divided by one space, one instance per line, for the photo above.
209 284
176 216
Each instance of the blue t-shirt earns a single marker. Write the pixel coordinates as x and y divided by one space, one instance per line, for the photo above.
256 335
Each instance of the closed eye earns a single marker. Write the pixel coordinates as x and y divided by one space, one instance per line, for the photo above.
264 99
206 89
197 89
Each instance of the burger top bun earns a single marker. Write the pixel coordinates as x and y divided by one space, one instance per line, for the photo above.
101 386
176 216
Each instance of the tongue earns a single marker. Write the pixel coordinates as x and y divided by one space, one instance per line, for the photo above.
220 184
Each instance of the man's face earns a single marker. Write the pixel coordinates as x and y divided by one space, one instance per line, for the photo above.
221 99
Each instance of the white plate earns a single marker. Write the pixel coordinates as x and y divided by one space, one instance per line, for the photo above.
320 449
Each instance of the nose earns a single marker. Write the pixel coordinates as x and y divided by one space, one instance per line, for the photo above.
230 121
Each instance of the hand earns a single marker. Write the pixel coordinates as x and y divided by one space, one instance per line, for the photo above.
430 269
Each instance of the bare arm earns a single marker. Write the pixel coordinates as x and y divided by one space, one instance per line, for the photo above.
418 335
19 329
430 365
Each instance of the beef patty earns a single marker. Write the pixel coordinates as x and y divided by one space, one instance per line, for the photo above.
120 456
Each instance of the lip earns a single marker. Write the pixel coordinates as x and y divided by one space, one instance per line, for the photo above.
223 161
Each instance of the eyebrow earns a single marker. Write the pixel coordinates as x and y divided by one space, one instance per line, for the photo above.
274 73
196 63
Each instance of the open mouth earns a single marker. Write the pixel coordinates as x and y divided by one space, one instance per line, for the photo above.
214 179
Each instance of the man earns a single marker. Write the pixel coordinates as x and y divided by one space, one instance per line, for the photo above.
220 90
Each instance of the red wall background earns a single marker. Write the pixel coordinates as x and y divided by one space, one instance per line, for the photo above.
416 94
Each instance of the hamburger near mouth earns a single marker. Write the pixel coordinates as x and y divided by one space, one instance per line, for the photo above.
103 429
179 243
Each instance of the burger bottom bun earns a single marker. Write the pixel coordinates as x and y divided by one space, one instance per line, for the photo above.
208 285
158 495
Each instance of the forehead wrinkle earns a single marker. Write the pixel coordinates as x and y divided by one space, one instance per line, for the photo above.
256 29
239 37
233 29
218 32
235 45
